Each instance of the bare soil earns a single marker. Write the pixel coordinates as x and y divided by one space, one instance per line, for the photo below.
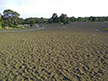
75 53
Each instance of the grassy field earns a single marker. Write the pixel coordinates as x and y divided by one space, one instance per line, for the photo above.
76 53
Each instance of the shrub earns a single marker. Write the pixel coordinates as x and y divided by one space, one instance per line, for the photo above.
106 29
32 22
4 25
14 26
22 39
42 25
96 30
10 25
1 28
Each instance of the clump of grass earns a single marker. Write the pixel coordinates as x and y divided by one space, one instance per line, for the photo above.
42 25
23 40
106 29
1 28
96 30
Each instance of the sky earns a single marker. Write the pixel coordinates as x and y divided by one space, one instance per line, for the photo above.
45 8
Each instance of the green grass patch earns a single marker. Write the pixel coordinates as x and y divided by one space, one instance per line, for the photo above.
0 25
1 28
23 40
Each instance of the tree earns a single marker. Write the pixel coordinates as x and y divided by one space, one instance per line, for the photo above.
93 19
41 20
3 24
0 14
67 21
32 22
59 20
63 18
79 19
0 21
38 21
10 13
90 18
54 18
106 19
49 20
85 19
20 21
10 17
72 19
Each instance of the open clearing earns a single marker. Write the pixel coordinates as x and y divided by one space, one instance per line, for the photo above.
76 53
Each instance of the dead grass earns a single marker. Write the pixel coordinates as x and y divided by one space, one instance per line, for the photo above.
54 54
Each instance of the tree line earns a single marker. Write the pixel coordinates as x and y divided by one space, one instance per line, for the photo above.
63 18
11 18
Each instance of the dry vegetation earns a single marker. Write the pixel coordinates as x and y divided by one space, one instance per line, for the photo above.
55 54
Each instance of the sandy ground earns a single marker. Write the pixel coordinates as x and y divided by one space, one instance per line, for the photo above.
76 53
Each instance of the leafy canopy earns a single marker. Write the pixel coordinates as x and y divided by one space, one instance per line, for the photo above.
10 13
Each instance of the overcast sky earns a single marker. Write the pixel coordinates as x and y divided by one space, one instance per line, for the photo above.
45 8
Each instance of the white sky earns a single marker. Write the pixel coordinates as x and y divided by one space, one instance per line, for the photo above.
45 8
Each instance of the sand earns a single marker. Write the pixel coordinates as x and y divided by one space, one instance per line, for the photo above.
76 53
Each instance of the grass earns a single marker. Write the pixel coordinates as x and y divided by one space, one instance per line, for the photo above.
1 28
0 24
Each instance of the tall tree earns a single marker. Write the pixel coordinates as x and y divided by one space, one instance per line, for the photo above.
0 14
50 20
0 21
0 17
11 17
93 19
72 19
67 20
32 22
10 13
63 18
79 19
54 18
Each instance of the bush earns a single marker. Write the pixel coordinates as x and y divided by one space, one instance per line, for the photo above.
32 22
1 28
22 39
14 26
11 25
106 29
4 25
0 24
42 25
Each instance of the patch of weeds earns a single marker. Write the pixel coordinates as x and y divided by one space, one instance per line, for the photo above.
23 40
1 28
106 29
42 25
96 30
